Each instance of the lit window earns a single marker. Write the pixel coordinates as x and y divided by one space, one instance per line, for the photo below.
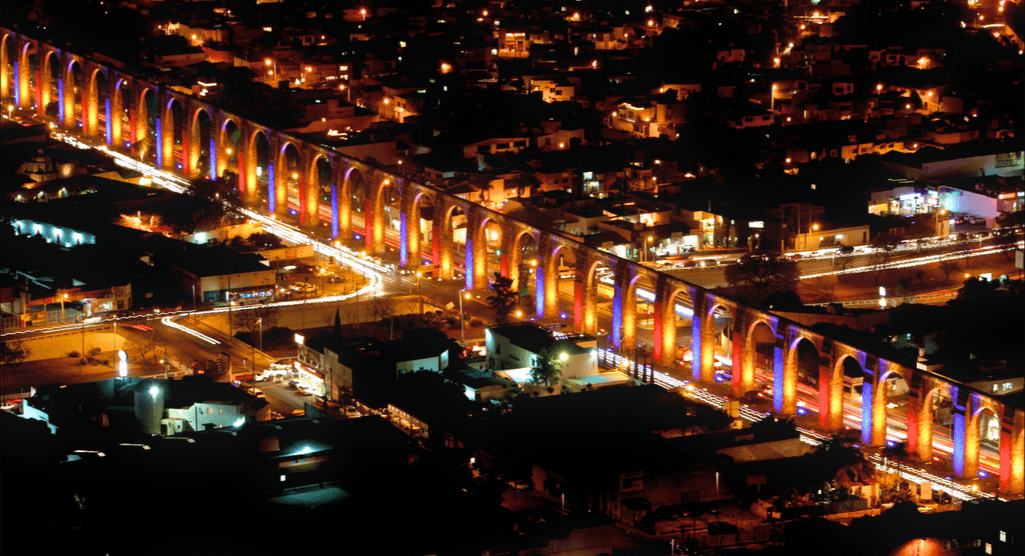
209 411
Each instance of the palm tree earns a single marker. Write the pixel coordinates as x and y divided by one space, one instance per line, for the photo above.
548 370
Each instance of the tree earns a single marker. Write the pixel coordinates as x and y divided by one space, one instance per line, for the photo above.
13 354
549 366
948 267
763 275
250 320
503 301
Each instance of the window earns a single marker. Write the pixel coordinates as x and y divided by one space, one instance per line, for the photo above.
220 411
209 411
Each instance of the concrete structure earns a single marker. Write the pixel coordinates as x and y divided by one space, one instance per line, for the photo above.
515 346
277 169
836 237
164 407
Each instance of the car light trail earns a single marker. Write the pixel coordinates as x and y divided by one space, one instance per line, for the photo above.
169 321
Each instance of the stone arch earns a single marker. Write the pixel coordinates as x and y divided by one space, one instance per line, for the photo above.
801 366
421 208
832 387
926 420
385 194
171 133
74 82
522 260
628 308
585 294
231 153
289 180
97 99
319 188
454 214
1012 466
703 361
487 238
666 315
51 84
201 140
146 123
260 183
874 399
120 115
28 60
547 282
973 435
9 65
352 179
757 334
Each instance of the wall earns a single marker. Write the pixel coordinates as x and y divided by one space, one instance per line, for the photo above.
55 346
812 241
288 253
968 202
427 364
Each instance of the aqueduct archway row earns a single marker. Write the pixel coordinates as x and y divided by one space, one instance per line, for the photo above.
320 188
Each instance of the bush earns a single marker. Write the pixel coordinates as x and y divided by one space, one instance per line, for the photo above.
95 351
73 354
476 322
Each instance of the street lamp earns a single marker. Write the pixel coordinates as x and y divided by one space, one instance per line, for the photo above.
62 296
462 320
420 297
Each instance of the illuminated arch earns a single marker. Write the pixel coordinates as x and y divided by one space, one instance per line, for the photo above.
973 435
252 174
665 322
22 91
283 173
925 418
196 142
117 116
67 90
8 84
585 303
166 135
311 200
90 109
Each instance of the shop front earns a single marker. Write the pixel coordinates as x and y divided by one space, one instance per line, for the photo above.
311 379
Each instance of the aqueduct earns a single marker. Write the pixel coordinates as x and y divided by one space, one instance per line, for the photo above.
290 177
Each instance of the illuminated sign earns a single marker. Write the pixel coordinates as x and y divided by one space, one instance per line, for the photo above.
300 339
757 224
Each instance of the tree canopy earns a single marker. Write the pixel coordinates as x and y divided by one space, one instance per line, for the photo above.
763 276
549 366
503 300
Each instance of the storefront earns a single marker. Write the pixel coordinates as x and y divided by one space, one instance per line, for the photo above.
311 379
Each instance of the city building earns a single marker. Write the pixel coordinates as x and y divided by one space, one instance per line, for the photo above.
152 406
